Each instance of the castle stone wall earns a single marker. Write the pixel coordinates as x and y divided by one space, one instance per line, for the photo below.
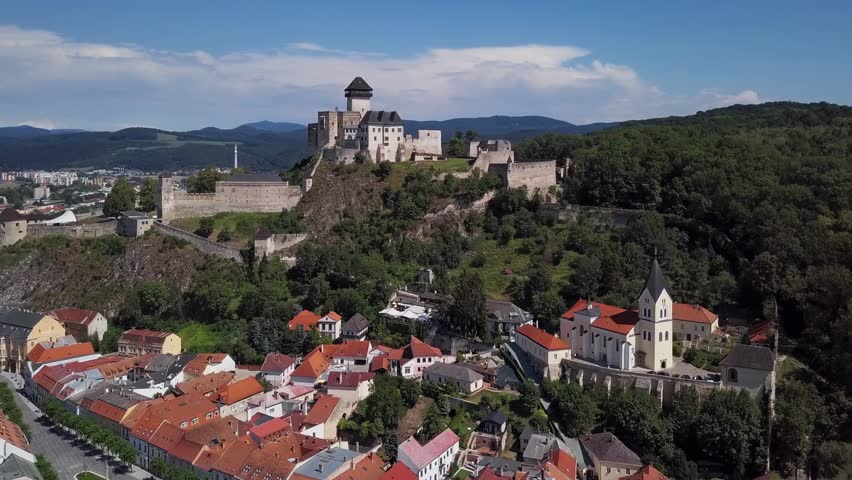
74 231
276 242
229 197
485 159
203 244
535 175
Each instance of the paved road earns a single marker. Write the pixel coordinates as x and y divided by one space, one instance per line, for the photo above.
67 459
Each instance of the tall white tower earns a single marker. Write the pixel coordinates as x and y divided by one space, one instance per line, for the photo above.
655 325
358 95
235 157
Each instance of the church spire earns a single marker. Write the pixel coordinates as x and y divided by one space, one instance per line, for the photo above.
656 282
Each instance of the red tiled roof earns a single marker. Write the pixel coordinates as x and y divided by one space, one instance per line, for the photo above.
581 304
146 337
205 384
648 472
277 363
399 472
621 323
73 315
235 455
692 313
334 316
418 348
564 462
379 362
371 467
305 319
240 390
354 349
760 333
40 354
422 455
348 379
542 338
315 363
166 437
322 410
12 433
488 473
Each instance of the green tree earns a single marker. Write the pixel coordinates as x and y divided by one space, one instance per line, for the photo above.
471 135
390 444
148 195
45 468
547 307
455 147
205 227
467 309
530 397
121 198
205 181
577 410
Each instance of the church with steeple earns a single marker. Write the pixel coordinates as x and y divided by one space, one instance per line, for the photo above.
620 338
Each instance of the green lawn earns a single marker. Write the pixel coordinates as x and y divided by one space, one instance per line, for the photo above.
243 226
401 169
199 338
462 424
88 476
789 367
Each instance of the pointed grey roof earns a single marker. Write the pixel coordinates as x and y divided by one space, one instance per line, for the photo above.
358 84
656 282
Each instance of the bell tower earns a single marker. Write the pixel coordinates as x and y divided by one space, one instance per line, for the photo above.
358 95
654 330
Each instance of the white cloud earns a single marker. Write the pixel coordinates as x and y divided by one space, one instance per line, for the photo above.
66 79
48 124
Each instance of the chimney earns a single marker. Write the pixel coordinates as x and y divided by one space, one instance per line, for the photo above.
352 463
319 467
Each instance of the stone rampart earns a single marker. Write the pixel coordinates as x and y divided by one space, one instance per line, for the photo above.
75 231
203 244
235 199
276 242
533 175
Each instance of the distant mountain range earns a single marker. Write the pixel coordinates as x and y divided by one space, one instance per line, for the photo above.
264 145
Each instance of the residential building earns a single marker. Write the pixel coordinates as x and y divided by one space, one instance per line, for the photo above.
329 465
139 342
411 360
20 332
693 322
83 325
369 467
234 398
462 378
277 368
205 385
17 468
324 415
430 461
110 406
621 338
491 432
133 224
350 386
315 366
611 459
329 325
748 367
544 351
13 441
171 415
504 317
354 355
355 328
399 472
207 363
305 320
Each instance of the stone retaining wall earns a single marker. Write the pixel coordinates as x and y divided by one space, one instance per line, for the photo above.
75 231
205 245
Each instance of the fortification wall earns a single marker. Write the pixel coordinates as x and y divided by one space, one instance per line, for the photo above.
276 242
426 144
75 231
233 198
535 175
485 159
203 244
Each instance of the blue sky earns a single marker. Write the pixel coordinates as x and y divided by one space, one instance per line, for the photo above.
183 65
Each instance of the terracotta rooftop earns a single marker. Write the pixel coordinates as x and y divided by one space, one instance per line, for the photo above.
40 354
542 338
418 348
354 349
399 472
322 410
371 467
205 384
305 319
240 390
12 433
648 472
333 316
73 315
144 337
348 379
692 313
315 363
277 363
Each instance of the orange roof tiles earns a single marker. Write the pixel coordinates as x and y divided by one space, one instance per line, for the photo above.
692 313
399 472
354 349
314 364
334 316
581 304
205 384
542 338
418 348
371 467
322 410
40 354
144 337
305 319
12 433
166 437
648 472
240 390
621 323
236 453
277 363
564 462
73 315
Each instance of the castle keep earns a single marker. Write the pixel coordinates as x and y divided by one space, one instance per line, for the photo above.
378 135
249 192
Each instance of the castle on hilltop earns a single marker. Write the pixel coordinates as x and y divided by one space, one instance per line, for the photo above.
248 192
378 135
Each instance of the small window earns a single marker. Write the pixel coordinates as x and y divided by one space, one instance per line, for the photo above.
667 335
661 336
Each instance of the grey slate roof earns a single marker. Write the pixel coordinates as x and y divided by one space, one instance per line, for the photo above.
496 417
456 372
160 362
606 447
750 356
15 467
381 117
540 444
508 466
506 312
358 84
356 324
254 178
656 282
18 324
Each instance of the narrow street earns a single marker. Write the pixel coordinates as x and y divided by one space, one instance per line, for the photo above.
66 458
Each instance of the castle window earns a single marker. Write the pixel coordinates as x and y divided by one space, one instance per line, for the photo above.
732 375
667 335
661 336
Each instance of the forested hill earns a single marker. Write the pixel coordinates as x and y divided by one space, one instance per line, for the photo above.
770 184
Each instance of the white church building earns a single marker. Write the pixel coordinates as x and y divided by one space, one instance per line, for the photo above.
621 338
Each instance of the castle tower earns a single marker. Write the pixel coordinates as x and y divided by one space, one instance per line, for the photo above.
358 95
165 197
654 331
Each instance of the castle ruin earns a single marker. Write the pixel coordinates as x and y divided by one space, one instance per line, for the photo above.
248 192
497 157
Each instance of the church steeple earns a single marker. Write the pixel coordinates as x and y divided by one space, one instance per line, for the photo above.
656 282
